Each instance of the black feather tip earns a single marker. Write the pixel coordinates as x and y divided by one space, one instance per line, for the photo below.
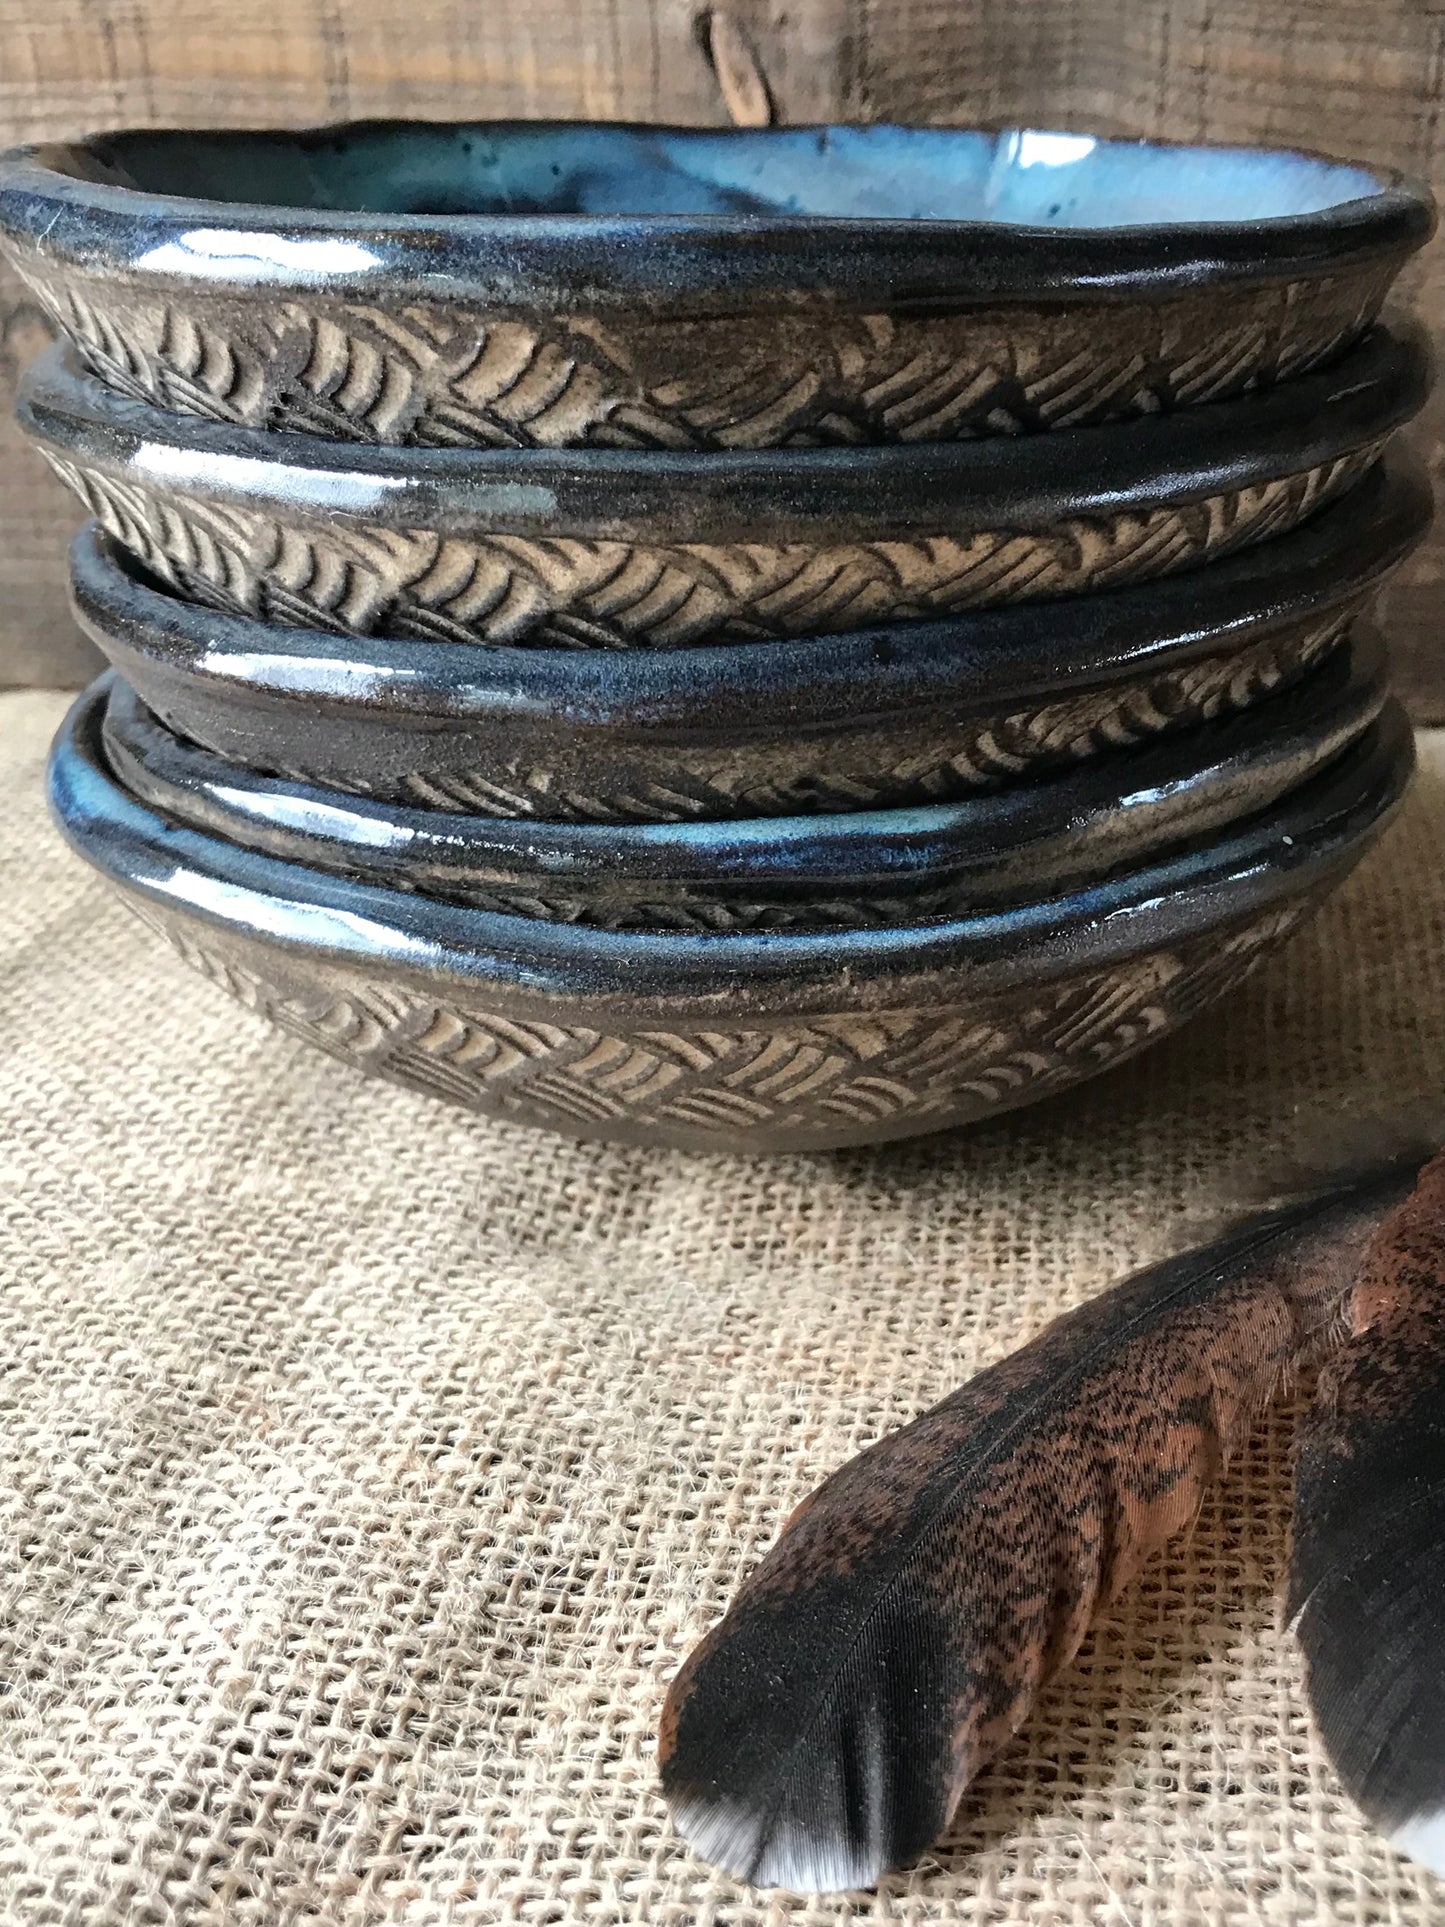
820 1804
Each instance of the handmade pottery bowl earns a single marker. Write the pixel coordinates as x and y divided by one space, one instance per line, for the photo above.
743 1041
516 284
609 548
861 869
915 713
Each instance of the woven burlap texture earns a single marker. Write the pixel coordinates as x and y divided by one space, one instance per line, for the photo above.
368 1468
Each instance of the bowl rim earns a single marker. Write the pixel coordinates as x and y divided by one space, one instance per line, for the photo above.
1303 844
1168 778
972 661
866 494
727 263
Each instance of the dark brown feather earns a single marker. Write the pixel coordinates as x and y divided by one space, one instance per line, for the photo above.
1367 1578
897 1633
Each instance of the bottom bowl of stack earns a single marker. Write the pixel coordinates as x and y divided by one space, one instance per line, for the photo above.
739 1040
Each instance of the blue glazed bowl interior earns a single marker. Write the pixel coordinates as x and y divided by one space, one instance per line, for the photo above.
1022 177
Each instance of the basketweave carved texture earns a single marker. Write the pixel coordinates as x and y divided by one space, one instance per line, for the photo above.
809 1083
416 583
439 376
897 765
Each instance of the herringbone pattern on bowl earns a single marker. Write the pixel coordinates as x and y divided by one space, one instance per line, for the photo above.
421 373
834 1079
569 593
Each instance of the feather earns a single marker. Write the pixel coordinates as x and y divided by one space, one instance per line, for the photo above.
896 1635
1367 1576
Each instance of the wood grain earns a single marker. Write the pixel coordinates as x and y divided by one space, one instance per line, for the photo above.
39 643
1360 77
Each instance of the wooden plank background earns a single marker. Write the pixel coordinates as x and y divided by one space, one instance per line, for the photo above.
1357 77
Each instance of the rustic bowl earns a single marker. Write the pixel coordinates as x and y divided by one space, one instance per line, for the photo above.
609 548
865 868
732 1041
535 284
916 713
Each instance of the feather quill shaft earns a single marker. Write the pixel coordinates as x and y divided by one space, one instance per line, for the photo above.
1367 1577
897 1633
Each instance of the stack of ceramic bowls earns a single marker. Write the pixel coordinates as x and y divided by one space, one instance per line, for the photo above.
739 639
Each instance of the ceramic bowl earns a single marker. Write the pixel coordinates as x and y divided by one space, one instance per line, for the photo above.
854 871
521 285
882 718
742 1041
608 548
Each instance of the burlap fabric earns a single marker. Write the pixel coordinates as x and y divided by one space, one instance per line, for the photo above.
368 1468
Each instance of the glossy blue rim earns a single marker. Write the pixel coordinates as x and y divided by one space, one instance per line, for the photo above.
1308 841
65 200
1164 780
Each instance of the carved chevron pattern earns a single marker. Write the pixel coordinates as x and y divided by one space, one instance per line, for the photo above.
440 376
582 594
890 768
844 1078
